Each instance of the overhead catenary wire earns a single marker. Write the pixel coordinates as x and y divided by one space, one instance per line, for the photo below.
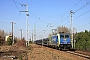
16 5
82 6
62 15
62 20
19 12
5 22
58 22
77 11
82 14
17 9
83 25
65 13
39 19
18 17
78 16
55 20
18 27
15 2
68 10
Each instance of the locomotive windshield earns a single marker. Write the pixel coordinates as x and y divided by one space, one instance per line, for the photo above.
66 36
61 36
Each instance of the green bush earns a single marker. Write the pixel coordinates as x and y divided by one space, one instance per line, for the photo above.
83 40
20 57
9 41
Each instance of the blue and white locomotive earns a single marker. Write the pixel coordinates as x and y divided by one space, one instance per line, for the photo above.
60 41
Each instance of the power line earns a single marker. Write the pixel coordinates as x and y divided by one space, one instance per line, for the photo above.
82 15
69 10
17 26
82 7
72 7
62 20
67 22
78 10
58 22
31 12
42 21
83 25
4 22
16 5
78 16
18 17
15 2
39 19
9 23
66 12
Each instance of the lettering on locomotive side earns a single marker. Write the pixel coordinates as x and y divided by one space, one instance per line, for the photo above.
54 39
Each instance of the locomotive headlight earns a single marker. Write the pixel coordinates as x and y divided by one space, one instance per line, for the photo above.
68 43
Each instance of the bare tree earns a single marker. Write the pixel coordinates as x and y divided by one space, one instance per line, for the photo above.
2 33
49 35
63 29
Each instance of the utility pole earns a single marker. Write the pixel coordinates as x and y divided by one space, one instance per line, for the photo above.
74 31
71 28
74 37
27 14
32 36
34 32
21 33
13 31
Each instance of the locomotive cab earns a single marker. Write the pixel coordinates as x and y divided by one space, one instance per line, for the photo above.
65 41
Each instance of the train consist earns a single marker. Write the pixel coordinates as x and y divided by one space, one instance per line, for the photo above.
58 41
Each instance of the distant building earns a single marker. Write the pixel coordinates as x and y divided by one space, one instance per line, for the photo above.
6 37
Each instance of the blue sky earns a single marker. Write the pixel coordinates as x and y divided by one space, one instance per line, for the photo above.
42 13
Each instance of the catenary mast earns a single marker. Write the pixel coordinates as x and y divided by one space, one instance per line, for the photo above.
27 14
71 28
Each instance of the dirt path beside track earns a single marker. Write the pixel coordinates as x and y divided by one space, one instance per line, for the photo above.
44 53
35 52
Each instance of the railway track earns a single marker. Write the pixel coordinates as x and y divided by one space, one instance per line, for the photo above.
75 53
79 54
